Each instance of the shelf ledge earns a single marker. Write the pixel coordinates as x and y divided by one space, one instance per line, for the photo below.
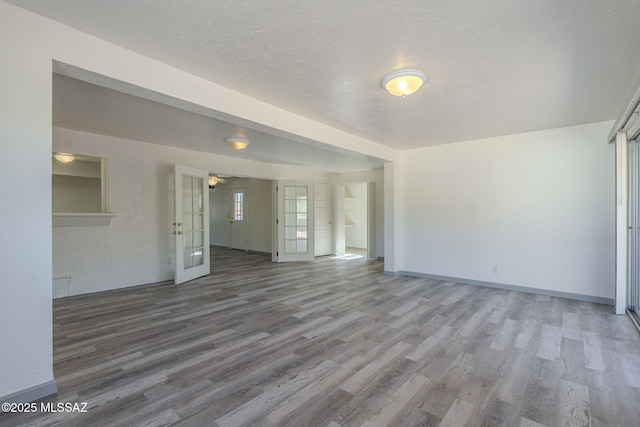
73 219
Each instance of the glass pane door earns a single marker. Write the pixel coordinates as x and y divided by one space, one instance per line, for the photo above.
192 223
296 224
193 216
633 240
295 221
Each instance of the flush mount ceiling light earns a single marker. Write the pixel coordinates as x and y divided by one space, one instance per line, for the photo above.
404 82
64 158
237 143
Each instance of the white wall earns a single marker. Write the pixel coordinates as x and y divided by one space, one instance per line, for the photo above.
258 213
538 206
26 354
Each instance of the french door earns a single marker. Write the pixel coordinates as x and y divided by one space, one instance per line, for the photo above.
191 225
294 221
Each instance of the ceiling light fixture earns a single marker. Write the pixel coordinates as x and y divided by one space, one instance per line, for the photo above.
213 180
404 82
237 143
64 158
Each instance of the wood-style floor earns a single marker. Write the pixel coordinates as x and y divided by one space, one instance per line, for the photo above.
337 343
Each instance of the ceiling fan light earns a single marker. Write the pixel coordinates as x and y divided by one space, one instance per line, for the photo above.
64 158
237 143
404 82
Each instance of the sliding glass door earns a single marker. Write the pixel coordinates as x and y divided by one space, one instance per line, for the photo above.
633 270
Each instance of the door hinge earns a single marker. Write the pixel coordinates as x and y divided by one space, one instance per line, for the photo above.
277 253
277 221
276 188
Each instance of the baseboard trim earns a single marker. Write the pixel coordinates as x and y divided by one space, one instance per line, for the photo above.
251 251
32 394
537 291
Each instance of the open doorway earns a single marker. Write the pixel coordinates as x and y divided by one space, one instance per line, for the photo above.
355 220
355 209
323 221
240 211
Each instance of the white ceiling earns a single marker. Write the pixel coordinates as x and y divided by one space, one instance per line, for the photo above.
495 67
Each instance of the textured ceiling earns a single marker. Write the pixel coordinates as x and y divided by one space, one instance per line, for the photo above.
495 67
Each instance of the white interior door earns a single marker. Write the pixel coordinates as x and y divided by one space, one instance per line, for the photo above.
191 226
294 220
323 219
238 221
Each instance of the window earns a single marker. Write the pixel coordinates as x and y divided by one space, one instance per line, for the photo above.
238 206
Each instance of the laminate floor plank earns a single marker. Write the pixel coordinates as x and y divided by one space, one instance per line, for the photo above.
337 343
525 334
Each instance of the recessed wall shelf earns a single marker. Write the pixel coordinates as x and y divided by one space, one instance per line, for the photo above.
347 192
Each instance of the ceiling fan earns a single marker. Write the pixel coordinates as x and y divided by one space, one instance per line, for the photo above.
215 179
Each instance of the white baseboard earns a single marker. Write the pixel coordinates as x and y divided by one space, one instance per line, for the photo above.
537 291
